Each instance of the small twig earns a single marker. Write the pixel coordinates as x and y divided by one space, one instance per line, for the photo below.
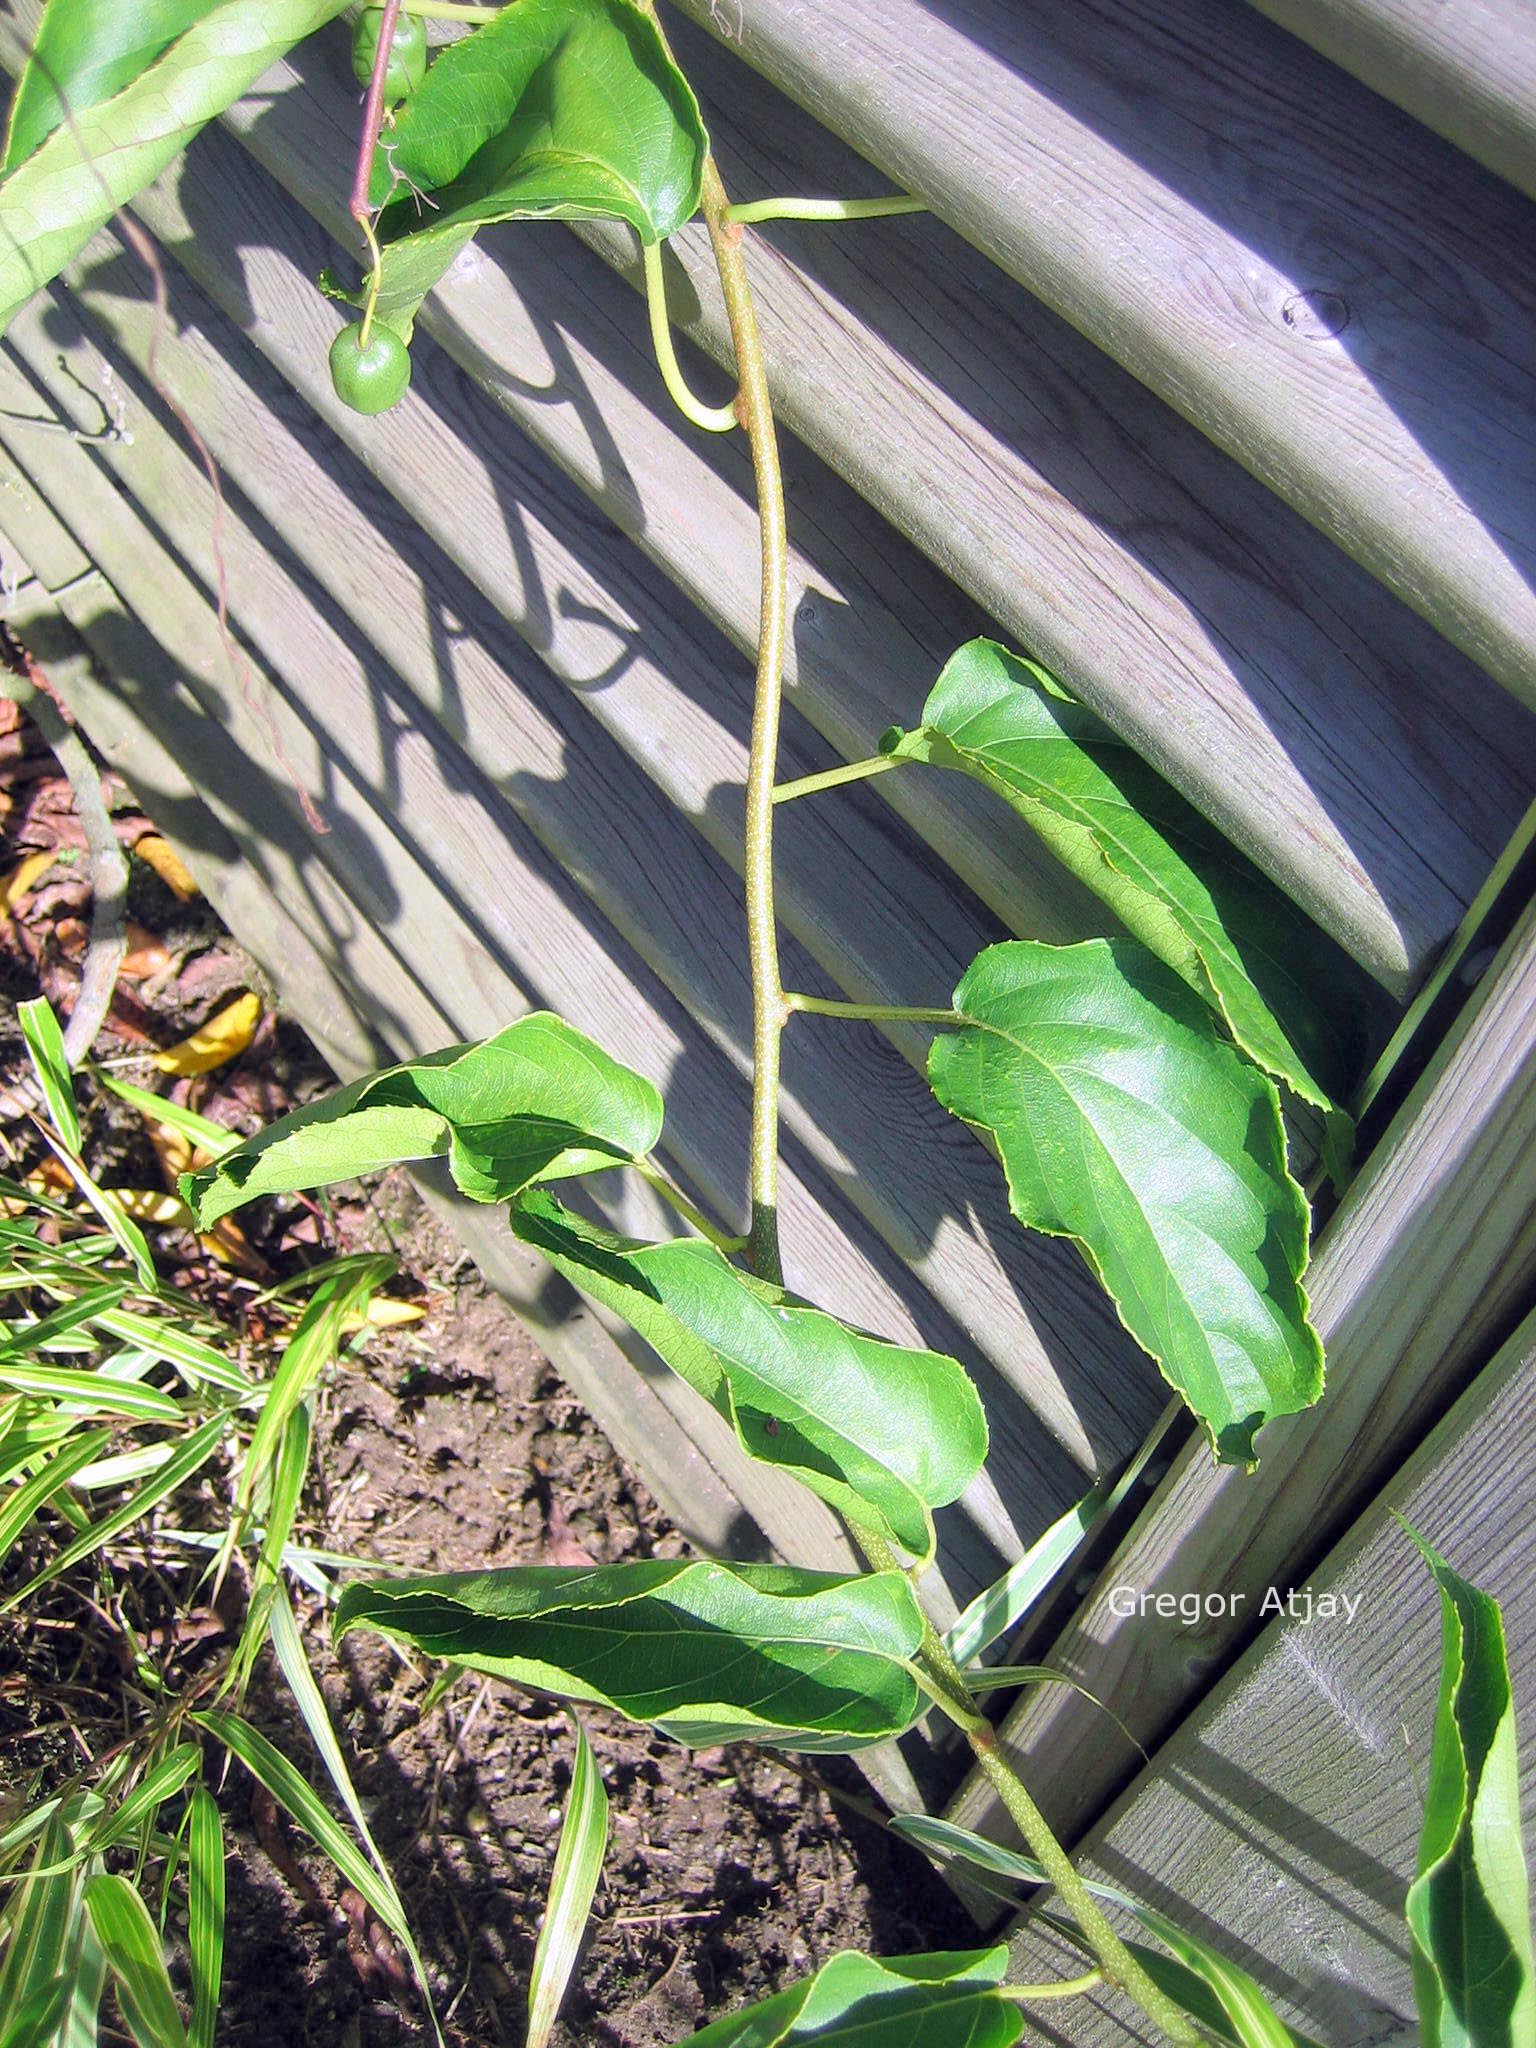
373 120
26 684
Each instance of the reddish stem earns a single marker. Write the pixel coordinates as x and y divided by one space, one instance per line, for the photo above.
373 114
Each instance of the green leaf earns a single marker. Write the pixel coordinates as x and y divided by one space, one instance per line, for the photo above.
36 2021
193 1452
1212 1990
269 1767
556 110
1165 871
127 1934
1126 1121
855 2001
311 1348
884 1434
706 1652
539 1101
205 1913
43 1910
213 1138
90 1392
45 1047
578 1865
80 2024
34 1493
147 1797
122 1226
1469 1908
998 1607
85 170
86 51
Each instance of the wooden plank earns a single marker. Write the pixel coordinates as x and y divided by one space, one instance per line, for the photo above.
1420 1273
1338 299
1281 1822
626 1396
391 917
677 908
1374 772
1466 68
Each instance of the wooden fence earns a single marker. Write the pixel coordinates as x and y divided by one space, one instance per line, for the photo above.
1209 382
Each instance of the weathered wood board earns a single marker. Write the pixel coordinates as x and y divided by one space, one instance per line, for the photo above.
1281 1823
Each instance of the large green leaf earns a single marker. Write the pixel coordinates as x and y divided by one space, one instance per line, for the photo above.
1469 1909
77 178
884 1434
706 1652
558 109
539 1101
86 51
1127 1121
855 2001
1164 870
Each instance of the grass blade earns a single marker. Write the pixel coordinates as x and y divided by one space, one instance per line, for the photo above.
89 1393
160 1784
37 2019
80 2023
205 1914
578 1866
34 1494
196 1451
210 1137
299 1799
45 1047
123 1228
194 1360
997 1609
132 1947
34 1956
288 1648
69 1316
288 1474
309 1350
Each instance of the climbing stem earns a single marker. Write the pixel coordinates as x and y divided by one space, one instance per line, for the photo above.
751 212
864 1013
756 413
834 778
1118 1965
673 1195
714 419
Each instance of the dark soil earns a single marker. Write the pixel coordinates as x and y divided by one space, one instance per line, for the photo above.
449 1444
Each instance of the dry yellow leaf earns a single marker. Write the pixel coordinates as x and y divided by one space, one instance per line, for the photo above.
151 1205
383 1313
224 1037
168 865
24 877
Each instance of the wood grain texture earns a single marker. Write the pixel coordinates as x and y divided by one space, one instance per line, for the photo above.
1281 1822
1340 300
1466 68
1423 1269
1302 706
855 1104
487 904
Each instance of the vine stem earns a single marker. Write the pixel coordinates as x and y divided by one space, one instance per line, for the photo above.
1065 1987
834 778
673 1195
755 409
864 1013
1118 1965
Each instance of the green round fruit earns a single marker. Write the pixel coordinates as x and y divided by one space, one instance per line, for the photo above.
374 378
407 54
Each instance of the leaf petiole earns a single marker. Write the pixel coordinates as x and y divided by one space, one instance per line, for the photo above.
713 419
752 212
674 1197
864 1013
1066 1987
834 778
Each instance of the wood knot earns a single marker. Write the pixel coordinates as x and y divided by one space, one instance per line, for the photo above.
1315 314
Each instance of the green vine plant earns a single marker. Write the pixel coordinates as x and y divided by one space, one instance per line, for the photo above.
1131 1087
